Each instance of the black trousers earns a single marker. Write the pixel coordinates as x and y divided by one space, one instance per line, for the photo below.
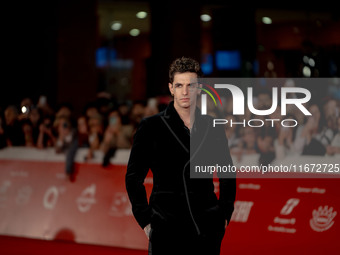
165 242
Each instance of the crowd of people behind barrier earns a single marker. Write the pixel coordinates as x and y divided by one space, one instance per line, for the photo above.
318 134
106 125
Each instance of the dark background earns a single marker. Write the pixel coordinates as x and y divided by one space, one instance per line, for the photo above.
50 46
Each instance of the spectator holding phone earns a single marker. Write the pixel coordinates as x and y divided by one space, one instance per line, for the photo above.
116 136
46 138
65 134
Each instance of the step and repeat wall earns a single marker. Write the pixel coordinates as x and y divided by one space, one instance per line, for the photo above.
272 215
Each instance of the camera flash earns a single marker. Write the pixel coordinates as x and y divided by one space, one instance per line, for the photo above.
24 109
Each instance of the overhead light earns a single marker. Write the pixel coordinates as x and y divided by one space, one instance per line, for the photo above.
306 71
134 32
116 25
205 17
270 65
305 59
311 62
266 20
141 15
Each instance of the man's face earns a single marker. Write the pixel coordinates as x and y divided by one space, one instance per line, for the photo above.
184 89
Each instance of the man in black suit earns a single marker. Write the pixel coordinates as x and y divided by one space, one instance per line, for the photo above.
184 215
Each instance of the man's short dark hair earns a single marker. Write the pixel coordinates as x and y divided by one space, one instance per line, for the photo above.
183 65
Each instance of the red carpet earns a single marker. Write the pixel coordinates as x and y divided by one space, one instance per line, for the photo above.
25 246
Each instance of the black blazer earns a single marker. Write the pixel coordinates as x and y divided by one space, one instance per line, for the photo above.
162 144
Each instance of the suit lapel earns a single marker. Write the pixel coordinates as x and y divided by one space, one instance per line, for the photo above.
175 125
174 131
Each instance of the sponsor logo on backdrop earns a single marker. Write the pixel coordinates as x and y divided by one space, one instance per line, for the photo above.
281 229
51 196
87 198
323 218
287 209
242 211
24 195
311 190
289 206
19 173
3 192
4 187
120 205
283 221
249 186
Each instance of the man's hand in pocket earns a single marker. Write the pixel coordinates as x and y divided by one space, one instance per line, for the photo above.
147 230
